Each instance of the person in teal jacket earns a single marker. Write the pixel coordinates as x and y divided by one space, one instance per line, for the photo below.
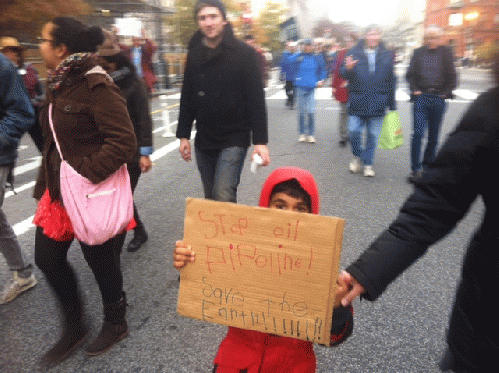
310 73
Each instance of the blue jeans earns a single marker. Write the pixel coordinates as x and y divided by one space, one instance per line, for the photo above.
356 126
306 105
220 171
428 111
9 245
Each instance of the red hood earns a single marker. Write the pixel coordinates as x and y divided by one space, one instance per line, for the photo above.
304 178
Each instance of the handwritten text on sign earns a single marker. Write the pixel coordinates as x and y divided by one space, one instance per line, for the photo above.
261 269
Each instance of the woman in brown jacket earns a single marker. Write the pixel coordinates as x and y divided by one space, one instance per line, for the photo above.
96 137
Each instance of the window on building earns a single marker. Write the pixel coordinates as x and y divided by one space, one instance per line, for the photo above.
455 19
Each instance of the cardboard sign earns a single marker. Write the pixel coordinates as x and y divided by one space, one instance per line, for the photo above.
289 30
261 269
129 26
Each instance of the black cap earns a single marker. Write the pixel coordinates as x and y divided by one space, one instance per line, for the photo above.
215 3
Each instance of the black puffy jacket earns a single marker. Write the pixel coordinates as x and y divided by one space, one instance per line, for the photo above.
459 174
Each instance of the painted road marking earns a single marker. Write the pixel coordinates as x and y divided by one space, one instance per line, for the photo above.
400 95
33 165
27 224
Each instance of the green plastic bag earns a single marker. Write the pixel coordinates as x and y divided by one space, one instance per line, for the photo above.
391 132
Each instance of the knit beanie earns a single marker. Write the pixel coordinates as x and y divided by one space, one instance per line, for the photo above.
214 3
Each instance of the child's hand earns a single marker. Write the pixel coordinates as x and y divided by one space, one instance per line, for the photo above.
341 291
182 254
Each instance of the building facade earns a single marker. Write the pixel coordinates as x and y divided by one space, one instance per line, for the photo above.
403 37
467 23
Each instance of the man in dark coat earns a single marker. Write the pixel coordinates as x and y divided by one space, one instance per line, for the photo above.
223 92
442 196
432 77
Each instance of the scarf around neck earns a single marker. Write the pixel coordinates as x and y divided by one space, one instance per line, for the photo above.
73 65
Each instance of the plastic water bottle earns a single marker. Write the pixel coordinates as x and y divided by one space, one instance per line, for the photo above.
256 162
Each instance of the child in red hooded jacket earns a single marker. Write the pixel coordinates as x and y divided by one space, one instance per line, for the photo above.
248 351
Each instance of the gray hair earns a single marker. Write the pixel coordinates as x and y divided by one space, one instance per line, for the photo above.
372 27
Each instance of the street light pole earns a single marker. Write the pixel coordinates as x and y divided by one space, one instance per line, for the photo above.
163 73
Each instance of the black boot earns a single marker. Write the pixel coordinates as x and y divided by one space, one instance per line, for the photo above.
114 329
73 335
139 238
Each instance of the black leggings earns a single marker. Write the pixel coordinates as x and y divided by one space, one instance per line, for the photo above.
103 260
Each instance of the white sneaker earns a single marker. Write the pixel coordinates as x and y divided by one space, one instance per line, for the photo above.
302 138
311 139
16 286
355 165
368 171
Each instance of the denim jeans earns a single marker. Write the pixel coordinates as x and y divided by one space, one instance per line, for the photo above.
9 245
428 112
221 172
372 126
306 106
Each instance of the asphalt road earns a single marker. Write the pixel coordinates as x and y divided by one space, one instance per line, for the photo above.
404 331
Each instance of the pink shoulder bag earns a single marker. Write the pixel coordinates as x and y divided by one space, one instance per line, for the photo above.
98 212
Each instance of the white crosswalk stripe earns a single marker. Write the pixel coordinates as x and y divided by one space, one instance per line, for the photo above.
176 96
400 94
325 93
27 224
33 165
465 94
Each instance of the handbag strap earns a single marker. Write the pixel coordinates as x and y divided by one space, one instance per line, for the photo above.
51 122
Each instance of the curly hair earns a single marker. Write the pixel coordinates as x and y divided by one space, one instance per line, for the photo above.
77 36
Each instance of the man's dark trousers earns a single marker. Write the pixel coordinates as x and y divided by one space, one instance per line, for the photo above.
428 111
220 171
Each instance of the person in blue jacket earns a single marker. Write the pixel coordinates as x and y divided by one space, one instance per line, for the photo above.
310 73
16 117
368 67
288 72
